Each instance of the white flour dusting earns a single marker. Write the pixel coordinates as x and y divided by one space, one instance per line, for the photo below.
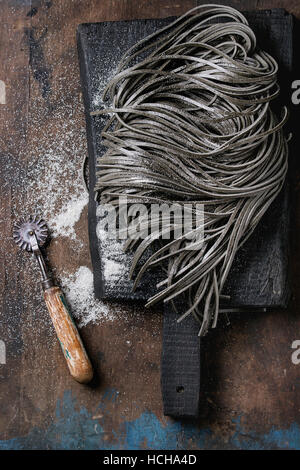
115 263
63 223
113 269
52 186
79 291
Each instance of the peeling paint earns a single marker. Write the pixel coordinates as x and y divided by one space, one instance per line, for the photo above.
75 427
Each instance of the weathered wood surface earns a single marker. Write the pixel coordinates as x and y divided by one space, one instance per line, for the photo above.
250 387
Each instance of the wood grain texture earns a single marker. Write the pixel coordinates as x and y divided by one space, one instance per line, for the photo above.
73 349
249 384
12 142
180 367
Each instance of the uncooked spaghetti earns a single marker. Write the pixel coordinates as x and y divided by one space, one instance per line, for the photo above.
191 121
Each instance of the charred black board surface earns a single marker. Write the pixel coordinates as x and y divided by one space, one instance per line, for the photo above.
259 276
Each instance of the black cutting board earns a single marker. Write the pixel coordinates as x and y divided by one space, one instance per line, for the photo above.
259 276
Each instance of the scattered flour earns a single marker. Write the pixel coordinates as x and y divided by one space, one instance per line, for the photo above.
79 291
49 182
115 262
63 223
54 186
113 269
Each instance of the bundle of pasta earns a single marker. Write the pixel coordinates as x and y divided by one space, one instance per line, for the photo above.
191 123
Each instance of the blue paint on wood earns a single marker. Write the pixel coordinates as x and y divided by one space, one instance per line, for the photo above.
75 428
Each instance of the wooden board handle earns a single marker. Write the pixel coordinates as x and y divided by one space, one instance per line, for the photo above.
180 365
68 336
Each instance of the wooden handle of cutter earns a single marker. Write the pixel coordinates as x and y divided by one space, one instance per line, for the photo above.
68 336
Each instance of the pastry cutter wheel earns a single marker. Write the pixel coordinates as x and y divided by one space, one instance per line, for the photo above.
30 235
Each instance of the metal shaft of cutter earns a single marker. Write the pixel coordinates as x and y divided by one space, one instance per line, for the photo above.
46 279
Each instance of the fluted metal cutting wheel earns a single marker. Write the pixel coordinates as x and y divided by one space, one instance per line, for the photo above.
24 229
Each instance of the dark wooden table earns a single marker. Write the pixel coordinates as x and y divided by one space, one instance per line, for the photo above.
250 386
